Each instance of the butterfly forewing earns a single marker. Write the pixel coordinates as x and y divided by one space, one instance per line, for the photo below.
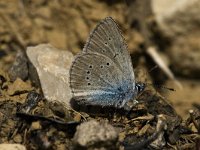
106 39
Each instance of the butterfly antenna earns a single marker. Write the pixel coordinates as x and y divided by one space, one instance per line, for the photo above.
160 86
157 85
153 68
146 73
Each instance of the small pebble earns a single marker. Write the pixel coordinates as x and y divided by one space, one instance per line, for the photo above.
17 138
35 125
95 135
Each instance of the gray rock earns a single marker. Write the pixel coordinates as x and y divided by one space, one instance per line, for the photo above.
19 69
179 20
95 135
177 17
52 67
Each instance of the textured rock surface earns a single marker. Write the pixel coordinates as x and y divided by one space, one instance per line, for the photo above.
52 66
179 20
19 67
12 147
19 86
97 135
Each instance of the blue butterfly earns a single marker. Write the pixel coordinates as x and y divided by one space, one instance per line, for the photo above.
102 74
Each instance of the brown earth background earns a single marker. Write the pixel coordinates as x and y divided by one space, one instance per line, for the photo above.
67 24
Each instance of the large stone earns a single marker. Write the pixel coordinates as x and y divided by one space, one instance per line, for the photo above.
52 67
179 20
177 17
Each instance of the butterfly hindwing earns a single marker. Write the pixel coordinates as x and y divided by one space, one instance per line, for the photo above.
96 79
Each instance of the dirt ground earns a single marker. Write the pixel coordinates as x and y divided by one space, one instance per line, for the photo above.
66 25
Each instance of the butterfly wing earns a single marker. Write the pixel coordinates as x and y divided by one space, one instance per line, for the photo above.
102 74
95 79
106 39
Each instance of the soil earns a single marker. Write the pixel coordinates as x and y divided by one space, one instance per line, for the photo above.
66 25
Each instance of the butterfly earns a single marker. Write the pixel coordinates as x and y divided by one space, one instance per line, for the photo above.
102 74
